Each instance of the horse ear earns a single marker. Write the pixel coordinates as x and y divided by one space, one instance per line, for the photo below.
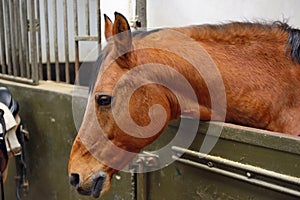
108 27
122 36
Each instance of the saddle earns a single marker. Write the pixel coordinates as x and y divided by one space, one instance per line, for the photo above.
11 140
9 109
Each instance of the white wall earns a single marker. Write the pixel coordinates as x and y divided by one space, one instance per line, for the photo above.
163 13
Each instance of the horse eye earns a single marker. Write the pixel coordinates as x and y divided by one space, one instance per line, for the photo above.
104 100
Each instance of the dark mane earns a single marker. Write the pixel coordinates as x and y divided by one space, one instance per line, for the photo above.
230 33
293 43
143 33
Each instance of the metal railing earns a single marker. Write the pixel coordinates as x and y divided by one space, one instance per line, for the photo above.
22 43
17 61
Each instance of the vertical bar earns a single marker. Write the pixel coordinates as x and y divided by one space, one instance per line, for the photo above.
134 183
8 39
15 37
87 16
21 65
25 49
99 26
142 182
33 45
38 29
67 65
141 11
76 41
57 73
47 39
2 40
13 33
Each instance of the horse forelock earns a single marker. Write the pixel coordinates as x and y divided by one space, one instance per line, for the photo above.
98 65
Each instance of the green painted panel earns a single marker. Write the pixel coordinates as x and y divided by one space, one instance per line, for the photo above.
266 150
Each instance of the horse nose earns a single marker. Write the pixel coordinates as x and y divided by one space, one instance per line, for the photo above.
74 179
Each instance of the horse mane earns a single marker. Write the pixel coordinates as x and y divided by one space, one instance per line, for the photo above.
236 32
241 32
293 43
230 33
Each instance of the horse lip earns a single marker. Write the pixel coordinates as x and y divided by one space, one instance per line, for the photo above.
99 179
83 192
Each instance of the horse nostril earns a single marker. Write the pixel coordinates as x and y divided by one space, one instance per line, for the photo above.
74 179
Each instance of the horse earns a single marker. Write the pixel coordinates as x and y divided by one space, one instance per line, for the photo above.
246 73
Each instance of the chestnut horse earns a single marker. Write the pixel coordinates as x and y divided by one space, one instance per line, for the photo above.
260 74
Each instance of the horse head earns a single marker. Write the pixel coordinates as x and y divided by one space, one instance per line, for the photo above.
225 72
125 112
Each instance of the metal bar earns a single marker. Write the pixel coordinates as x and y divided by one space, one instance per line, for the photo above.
253 181
233 164
2 40
142 180
141 12
47 39
8 35
21 65
66 35
25 45
86 38
87 17
76 41
57 72
133 177
39 39
17 79
13 36
33 46
99 26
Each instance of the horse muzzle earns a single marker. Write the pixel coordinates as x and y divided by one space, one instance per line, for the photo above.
94 186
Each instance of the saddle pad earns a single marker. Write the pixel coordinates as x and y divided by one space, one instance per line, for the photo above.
9 119
12 144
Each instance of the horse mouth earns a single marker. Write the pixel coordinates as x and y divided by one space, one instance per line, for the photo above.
83 192
99 180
